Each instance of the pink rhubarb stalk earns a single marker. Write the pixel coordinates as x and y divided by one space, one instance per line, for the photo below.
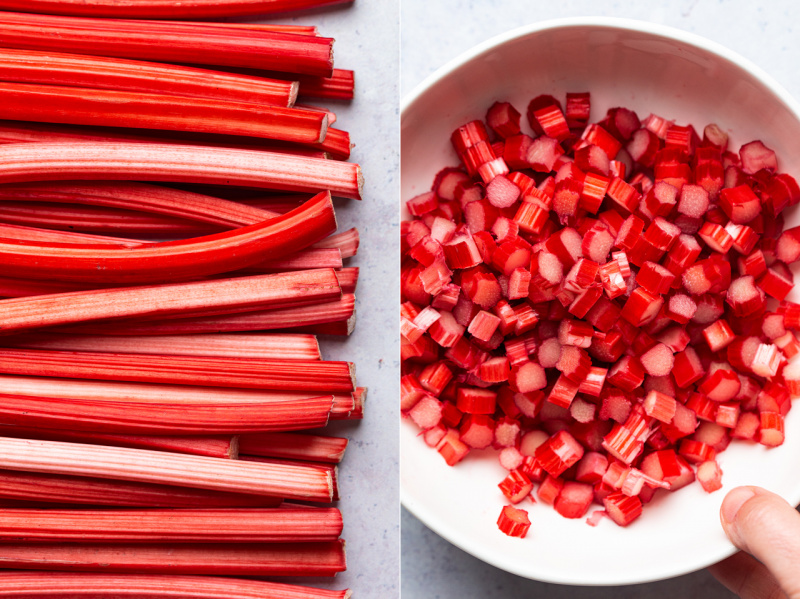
261 346
140 465
171 526
93 585
206 297
307 376
242 559
24 163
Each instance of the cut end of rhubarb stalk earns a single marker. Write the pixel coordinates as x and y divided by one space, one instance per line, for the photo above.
294 88
233 452
323 129
360 183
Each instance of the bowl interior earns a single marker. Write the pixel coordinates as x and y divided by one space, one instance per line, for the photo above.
646 68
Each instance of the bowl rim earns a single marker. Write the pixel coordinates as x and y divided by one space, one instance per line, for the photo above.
656 29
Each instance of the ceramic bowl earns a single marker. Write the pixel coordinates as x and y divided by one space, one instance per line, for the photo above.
647 68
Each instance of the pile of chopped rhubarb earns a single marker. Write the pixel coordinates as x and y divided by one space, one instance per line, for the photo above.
603 303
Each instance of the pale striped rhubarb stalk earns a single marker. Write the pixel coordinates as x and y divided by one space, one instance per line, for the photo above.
141 465
169 42
192 258
245 559
68 237
164 9
24 163
79 490
112 108
294 446
219 295
91 585
101 220
100 72
141 197
201 418
274 346
308 376
339 310
80 389
346 241
219 446
336 144
290 525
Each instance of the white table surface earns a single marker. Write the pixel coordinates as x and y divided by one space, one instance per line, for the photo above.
366 36
434 33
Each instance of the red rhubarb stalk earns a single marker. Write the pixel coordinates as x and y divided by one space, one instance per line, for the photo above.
215 296
346 242
62 489
99 220
140 465
291 525
192 258
164 9
320 314
99 72
169 42
137 418
294 446
302 260
307 376
339 86
245 559
46 236
336 144
90 585
261 346
112 108
141 197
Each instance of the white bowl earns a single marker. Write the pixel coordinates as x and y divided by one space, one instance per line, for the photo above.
647 68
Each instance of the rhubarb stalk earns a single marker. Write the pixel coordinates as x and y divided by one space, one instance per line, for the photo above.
310 376
140 465
164 9
215 296
99 72
22 163
245 559
294 446
192 258
261 346
68 585
112 108
253 525
174 42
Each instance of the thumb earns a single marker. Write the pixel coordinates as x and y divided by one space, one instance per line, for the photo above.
766 526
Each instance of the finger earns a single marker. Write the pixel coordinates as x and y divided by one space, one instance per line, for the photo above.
766 526
748 578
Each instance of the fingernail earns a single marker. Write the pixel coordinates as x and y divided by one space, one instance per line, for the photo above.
734 501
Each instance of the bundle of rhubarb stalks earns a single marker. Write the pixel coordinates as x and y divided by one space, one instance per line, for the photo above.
168 252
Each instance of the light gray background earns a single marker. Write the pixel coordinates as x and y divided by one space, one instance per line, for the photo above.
434 32
367 41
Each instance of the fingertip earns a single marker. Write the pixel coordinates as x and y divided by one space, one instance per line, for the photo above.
734 501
